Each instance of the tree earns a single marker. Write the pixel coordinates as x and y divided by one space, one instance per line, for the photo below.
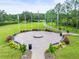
58 11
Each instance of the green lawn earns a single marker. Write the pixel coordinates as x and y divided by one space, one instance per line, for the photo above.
11 29
5 51
71 51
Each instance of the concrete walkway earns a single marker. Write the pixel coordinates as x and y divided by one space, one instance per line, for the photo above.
74 34
39 45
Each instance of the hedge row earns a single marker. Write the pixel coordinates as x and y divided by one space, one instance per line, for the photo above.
7 23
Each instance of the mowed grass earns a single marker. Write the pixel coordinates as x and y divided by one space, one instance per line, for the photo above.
5 51
11 29
71 51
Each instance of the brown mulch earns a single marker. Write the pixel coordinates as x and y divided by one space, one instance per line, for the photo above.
27 55
49 56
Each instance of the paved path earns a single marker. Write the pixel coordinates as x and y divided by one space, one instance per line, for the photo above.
70 34
39 44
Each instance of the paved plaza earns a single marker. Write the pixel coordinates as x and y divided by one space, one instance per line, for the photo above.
39 45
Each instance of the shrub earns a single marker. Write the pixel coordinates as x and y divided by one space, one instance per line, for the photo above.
8 23
66 40
9 38
21 31
48 30
34 29
24 31
23 48
12 44
59 45
14 34
18 46
59 28
67 31
52 49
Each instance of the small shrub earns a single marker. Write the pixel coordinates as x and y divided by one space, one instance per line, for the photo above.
52 49
12 44
48 30
59 45
14 34
59 28
67 31
66 40
34 29
24 31
9 38
23 48
18 46
56 46
21 31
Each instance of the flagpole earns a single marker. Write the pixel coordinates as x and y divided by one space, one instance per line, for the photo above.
25 21
57 20
31 21
45 22
38 20
18 22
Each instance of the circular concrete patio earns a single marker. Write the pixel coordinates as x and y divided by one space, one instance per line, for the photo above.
39 45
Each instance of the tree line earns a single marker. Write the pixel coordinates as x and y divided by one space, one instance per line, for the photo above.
66 14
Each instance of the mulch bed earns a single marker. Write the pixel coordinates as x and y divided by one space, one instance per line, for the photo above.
27 55
49 56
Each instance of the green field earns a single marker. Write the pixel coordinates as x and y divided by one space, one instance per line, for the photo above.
11 29
70 52
5 51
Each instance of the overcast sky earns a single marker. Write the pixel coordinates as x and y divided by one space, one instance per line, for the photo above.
18 6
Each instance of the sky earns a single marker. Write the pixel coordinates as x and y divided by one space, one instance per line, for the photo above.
18 6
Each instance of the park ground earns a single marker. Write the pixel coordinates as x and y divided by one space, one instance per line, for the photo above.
69 52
